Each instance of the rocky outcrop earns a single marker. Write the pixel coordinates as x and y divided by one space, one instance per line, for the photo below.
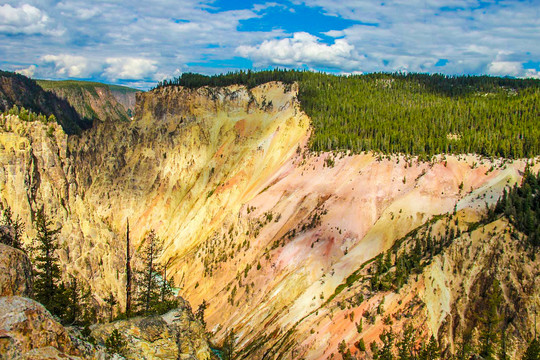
47 353
26 325
174 335
15 272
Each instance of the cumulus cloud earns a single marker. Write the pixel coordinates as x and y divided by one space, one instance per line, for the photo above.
113 41
302 49
29 71
26 19
130 68
510 68
72 66
532 73
448 36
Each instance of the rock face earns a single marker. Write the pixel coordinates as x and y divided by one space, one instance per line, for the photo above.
262 229
26 325
125 96
94 101
15 272
175 335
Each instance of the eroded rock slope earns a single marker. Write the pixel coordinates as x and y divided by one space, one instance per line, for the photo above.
253 223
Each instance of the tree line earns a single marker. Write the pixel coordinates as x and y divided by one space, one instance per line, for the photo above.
416 114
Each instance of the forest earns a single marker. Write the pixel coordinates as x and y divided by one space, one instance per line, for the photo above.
408 113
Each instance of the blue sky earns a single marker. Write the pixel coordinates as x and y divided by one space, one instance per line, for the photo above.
140 43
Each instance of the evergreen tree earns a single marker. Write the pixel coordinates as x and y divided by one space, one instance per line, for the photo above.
406 344
200 312
88 307
491 321
68 299
150 281
17 227
465 347
111 302
387 337
229 346
115 343
533 350
47 268
430 351
503 354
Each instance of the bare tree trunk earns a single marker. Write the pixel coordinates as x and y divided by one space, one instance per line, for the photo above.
128 273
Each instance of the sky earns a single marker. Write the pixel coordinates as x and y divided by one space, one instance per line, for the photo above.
138 43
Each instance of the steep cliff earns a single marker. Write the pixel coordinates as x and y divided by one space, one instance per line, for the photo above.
265 231
125 96
94 101
19 90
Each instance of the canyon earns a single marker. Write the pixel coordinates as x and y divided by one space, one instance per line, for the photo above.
280 241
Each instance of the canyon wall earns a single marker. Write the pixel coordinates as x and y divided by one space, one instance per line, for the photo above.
252 222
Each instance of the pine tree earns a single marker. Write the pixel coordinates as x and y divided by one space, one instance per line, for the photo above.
47 268
111 301
229 346
491 320
115 343
68 299
533 351
387 338
503 354
16 225
149 281
200 312
406 344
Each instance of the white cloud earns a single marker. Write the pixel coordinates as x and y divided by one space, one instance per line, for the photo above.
29 71
448 36
302 49
469 36
26 19
502 68
532 73
130 68
72 66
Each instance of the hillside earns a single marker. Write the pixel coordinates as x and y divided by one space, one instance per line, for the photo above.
95 101
21 91
303 254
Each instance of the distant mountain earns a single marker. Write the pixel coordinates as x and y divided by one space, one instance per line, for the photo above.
93 100
16 89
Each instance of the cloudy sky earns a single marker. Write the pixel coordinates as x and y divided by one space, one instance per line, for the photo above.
137 43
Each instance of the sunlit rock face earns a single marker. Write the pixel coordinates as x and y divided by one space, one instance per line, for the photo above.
26 325
15 272
252 222
174 335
